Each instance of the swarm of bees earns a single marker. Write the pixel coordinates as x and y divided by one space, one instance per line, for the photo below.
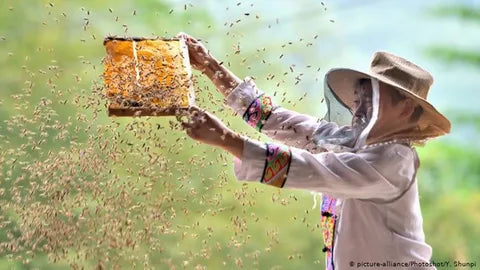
86 190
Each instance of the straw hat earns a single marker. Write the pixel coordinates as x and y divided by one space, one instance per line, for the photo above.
404 76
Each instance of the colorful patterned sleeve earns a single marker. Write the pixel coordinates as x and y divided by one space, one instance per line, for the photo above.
277 164
259 111
251 103
266 163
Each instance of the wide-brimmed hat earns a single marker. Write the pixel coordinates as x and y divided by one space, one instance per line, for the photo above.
403 76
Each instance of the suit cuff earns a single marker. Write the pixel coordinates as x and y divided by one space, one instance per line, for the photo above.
242 96
250 166
254 106
268 163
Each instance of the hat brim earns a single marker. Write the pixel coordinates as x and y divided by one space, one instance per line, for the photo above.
343 81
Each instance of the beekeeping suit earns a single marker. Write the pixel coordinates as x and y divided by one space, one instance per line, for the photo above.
370 207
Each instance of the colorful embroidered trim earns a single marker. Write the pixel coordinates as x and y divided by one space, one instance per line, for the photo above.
277 165
328 227
258 111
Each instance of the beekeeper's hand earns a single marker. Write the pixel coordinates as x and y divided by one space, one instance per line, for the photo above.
199 55
207 128
201 59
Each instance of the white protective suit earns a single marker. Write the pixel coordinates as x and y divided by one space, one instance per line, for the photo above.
370 206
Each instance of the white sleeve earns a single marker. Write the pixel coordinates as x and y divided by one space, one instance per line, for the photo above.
377 172
286 126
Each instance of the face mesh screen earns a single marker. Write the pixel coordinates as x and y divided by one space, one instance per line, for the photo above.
336 111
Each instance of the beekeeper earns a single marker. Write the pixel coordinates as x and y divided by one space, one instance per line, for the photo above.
365 169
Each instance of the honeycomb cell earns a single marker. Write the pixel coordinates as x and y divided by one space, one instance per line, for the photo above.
147 77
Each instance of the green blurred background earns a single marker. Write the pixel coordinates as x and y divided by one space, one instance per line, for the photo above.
80 189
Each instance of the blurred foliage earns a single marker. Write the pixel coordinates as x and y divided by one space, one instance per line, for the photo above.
463 11
451 54
90 191
449 195
79 189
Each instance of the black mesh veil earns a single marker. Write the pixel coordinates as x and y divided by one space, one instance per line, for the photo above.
344 138
336 111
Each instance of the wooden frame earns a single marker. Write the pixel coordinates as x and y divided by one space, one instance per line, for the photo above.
119 82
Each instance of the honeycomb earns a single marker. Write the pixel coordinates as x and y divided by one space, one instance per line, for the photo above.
147 77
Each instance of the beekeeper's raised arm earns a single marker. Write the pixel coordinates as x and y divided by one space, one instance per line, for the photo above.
255 107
